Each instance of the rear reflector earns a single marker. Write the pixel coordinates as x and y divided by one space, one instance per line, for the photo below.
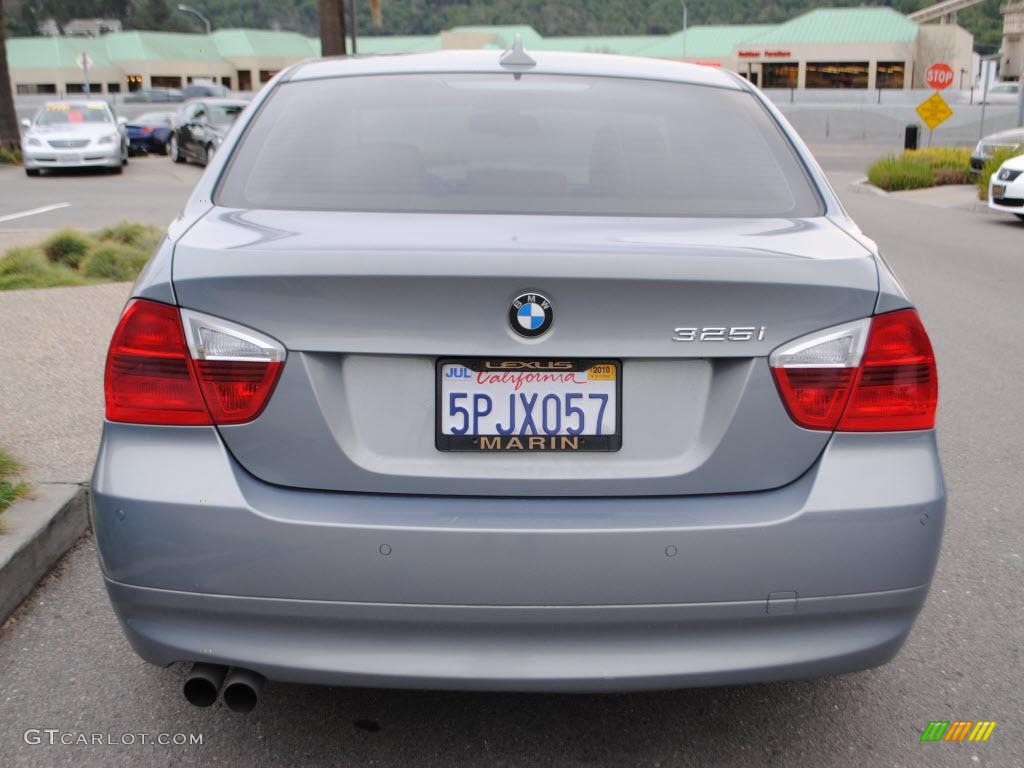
872 375
158 374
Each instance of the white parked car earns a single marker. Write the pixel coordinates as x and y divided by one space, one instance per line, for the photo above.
1006 188
1002 93
74 134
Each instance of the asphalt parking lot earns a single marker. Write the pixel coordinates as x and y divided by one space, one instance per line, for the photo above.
65 665
151 189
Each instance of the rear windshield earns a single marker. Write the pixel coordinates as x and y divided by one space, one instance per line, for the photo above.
539 144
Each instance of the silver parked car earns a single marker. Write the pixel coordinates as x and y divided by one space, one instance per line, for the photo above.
481 371
74 134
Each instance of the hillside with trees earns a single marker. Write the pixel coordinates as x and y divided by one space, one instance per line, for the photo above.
419 17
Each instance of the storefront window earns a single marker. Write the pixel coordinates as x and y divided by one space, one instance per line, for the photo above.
839 74
165 81
30 88
780 75
890 74
244 80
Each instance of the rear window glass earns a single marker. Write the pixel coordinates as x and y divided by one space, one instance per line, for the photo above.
539 144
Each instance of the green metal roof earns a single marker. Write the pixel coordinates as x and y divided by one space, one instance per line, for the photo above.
842 25
504 35
262 42
44 52
621 44
704 42
824 25
393 44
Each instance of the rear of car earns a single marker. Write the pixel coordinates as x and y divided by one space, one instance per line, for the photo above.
467 374
73 134
1006 188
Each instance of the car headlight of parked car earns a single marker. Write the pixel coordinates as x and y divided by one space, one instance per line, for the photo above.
32 141
1009 175
110 138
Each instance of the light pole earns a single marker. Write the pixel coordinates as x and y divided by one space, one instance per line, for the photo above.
193 12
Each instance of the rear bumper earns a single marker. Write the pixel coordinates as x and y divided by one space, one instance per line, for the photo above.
203 562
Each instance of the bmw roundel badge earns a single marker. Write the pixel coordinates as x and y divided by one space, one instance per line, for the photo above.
530 315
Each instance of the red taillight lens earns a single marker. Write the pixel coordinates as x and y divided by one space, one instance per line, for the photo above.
838 380
151 377
147 129
236 392
815 397
897 387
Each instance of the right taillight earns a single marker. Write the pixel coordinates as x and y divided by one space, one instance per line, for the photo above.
178 367
871 375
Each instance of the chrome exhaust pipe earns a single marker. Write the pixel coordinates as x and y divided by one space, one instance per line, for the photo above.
242 690
203 684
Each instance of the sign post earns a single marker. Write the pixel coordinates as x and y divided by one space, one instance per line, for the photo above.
934 110
84 61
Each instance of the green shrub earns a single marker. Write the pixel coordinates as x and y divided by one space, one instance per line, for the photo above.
943 176
28 267
10 489
133 233
113 261
66 247
953 158
899 172
10 156
999 157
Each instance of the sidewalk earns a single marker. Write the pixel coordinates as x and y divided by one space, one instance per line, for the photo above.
960 196
51 380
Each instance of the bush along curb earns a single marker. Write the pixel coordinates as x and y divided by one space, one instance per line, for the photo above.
36 532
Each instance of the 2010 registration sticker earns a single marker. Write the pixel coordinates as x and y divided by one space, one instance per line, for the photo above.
528 405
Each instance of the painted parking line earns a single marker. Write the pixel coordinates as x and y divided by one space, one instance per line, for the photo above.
33 211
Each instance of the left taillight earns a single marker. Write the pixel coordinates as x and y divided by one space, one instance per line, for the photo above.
178 367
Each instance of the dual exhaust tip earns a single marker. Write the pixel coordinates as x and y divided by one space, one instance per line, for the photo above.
240 688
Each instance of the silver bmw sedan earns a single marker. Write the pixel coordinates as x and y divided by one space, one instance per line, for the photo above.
520 371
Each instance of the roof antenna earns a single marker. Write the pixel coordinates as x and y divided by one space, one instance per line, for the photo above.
516 56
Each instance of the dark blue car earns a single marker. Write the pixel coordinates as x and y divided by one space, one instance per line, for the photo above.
149 133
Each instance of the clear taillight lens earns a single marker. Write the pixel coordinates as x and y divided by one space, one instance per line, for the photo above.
872 375
186 368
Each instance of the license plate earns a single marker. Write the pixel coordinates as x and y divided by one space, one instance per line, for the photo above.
998 190
529 405
71 157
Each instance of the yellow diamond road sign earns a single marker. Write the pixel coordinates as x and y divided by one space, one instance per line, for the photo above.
934 111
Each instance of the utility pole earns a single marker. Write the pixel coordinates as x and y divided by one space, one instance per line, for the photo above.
355 25
686 14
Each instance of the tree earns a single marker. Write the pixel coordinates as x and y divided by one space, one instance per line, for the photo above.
10 136
332 28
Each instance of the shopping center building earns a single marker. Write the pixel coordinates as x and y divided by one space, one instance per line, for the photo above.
861 48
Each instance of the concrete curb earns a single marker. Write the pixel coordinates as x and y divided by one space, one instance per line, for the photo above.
37 531
865 187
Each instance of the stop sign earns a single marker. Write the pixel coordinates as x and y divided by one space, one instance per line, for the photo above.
939 76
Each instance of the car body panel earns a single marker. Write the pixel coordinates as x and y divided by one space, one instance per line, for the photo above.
197 137
847 551
1011 138
1012 200
74 145
494 577
371 275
